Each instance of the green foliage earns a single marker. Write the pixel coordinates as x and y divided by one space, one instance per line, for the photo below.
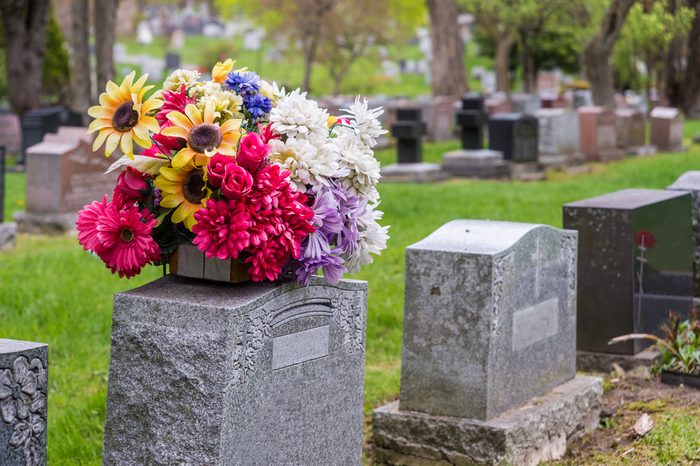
56 74
680 348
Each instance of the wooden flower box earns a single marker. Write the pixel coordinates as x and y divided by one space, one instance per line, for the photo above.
188 261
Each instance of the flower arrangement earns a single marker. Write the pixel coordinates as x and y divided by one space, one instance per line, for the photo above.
239 168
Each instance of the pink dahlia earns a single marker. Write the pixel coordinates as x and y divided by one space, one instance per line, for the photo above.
87 222
222 229
252 152
266 132
125 235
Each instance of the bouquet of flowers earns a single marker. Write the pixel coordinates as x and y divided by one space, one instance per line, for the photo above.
239 168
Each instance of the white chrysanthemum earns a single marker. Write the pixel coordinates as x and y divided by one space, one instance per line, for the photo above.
365 121
309 164
372 239
177 78
271 91
296 116
362 168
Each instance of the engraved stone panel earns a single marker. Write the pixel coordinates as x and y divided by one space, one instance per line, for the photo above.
223 374
23 402
690 182
490 316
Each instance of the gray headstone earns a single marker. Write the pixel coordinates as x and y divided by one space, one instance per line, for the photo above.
558 131
219 374
490 317
635 264
482 163
23 402
690 182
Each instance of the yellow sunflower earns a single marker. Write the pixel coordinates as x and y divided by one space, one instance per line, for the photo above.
204 137
122 116
184 190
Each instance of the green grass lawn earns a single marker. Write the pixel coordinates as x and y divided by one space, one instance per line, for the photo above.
52 291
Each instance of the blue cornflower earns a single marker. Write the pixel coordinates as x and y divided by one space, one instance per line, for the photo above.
257 105
243 83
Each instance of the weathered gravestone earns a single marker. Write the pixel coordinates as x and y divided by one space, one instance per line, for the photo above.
23 402
8 230
631 132
220 374
558 136
37 123
498 103
471 120
635 265
667 129
690 182
10 131
514 134
598 134
488 371
438 115
172 61
63 174
408 130
525 103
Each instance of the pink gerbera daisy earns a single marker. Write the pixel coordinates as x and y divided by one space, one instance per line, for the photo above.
87 224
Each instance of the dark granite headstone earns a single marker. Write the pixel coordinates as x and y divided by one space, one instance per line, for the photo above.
690 182
471 119
172 61
514 134
37 123
408 130
635 264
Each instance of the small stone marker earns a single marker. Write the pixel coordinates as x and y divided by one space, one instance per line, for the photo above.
10 131
219 374
23 402
690 182
488 368
438 115
63 174
514 134
525 103
471 120
8 230
558 136
635 264
172 61
631 131
598 134
667 129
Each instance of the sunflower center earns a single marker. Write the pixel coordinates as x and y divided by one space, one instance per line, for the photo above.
125 117
127 235
204 137
193 187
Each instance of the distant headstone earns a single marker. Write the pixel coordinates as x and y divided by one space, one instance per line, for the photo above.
497 104
8 230
631 130
548 81
36 124
409 129
558 134
10 132
477 163
514 134
23 402
582 98
690 182
525 103
63 174
667 129
635 264
598 134
471 120
172 61
259 373
489 329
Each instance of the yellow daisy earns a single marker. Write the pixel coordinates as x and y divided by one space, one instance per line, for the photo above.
122 116
184 190
204 137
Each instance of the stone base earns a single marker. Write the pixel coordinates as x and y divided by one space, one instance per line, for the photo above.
537 431
527 171
640 151
588 361
561 161
8 235
476 163
608 155
45 224
413 173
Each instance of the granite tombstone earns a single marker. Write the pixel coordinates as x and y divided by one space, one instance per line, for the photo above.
10 131
23 402
488 349
525 103
598 134
667 129
514 134
558 136
635 265
220 374
63 175
471 120
8 230
690 182
631 131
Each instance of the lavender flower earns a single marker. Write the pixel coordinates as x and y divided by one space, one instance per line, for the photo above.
333 266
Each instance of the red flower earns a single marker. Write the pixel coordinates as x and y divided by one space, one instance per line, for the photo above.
645 239
131 187
216 169
86 224
266 132
222 229
236 183
252 152
173 101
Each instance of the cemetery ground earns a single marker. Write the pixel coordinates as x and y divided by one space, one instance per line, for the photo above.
54 292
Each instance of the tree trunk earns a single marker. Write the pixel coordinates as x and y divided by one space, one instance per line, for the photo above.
24 23
448 75
80 58
528 64
105 32
691 91
309 58
504 45
672 85
597 54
